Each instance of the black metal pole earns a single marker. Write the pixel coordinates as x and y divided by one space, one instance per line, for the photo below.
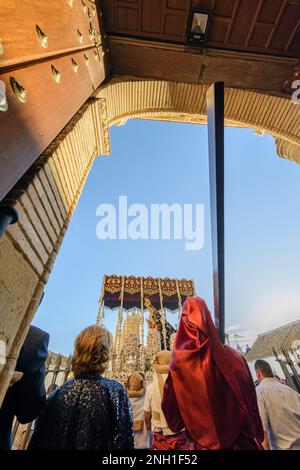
290 363
289 379
8 215
215 115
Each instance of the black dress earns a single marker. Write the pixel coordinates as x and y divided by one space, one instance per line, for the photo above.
26 398
86 413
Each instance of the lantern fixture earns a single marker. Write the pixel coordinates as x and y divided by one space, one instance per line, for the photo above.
198 26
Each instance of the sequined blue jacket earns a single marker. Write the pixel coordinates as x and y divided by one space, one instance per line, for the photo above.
86 413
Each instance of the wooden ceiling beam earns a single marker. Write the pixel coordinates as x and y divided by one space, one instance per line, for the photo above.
152 60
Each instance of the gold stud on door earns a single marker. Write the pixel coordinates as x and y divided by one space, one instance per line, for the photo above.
56 74
74 65
19 91
42 37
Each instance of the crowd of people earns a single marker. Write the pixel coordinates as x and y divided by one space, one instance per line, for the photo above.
202 397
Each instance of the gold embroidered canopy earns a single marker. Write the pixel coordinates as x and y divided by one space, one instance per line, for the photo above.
131 292
129 289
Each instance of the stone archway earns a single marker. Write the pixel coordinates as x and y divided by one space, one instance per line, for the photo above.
47 195
129 98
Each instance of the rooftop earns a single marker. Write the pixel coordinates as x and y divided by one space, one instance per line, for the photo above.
279 338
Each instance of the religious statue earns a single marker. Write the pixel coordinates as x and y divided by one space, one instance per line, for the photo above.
153 347
155 322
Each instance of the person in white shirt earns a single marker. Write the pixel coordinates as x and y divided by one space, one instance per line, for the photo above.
136 389
279 408
163 437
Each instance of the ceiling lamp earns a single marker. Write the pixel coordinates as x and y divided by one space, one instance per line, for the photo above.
198 26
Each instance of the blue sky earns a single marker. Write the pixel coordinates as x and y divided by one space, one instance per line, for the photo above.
158 162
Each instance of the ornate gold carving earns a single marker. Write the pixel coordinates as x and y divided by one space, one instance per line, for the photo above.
132 285
113 283
104 126
120 123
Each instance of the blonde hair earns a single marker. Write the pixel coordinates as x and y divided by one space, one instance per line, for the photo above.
135 382
91 351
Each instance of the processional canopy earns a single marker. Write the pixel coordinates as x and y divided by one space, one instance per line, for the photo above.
130 288
135 295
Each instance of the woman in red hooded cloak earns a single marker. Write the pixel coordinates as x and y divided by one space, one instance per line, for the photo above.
209 390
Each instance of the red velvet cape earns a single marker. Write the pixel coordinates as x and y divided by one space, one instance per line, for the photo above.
209 390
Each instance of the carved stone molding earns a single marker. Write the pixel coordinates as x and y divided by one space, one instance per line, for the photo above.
104 129
128 98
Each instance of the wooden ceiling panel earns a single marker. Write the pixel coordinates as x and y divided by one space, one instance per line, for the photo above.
127 18
286 27
219 29
295 44
206 4
225 9
243 22
260 36
108 12
152 16
264 26
176 4
270 11
174 25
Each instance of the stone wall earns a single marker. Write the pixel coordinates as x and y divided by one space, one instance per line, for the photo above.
45 199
